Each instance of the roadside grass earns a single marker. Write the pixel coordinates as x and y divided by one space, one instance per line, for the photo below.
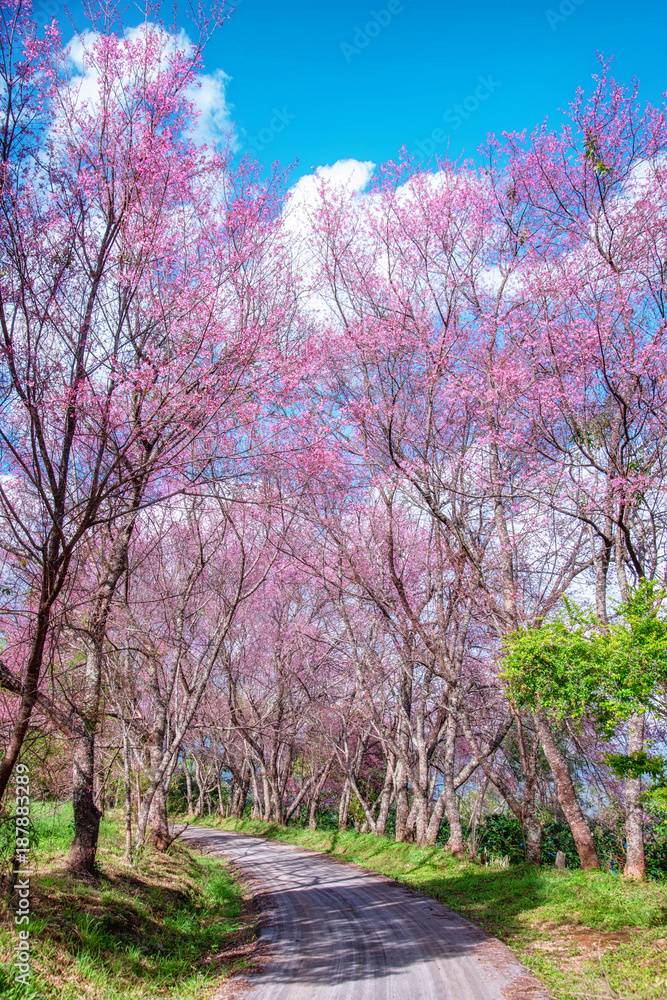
167 925
584 934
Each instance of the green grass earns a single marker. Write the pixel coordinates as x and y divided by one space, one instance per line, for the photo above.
585 934
168 925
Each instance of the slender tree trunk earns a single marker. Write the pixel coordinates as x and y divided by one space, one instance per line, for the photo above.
116 795
221 802
296 805
476 817
567 796
188 789
368 824
277 806
386 796
456 843
312 811
435 820
231 798
86 814
344 806
411 822
421 790
532 832
128 795
266 792
257 808
238 799
315 796
420 806
241 797
28 697
199 811
635 864
601 560
402 804
137 786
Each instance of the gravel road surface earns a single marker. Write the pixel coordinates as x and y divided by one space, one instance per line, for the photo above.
333 931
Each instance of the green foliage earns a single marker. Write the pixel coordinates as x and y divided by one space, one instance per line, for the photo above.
556 837
501 835
655 853
635 765
556 665
573 666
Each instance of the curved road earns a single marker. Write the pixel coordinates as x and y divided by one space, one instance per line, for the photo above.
334 931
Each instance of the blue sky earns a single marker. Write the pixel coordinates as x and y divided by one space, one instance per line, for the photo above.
321 82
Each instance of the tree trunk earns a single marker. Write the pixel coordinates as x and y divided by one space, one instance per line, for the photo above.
86 814
277 814
476 817
188 790
386 796
28 697
635 865
420 807
222 802
435 820
456 843
532 833
239 795
411 823
137 786
344 806
128 796
266 792
201 787
159 835
257 809
115 798
316 793
567 796
402 804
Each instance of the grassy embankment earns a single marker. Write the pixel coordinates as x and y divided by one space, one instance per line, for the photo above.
589 935
168 925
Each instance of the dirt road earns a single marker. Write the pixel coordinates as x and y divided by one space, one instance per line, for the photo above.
333 931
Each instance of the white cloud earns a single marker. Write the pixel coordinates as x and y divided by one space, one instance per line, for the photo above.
343 177
209 97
